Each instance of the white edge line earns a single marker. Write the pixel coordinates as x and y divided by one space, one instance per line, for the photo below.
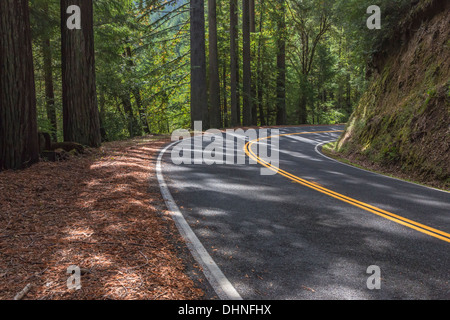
221 285
375 173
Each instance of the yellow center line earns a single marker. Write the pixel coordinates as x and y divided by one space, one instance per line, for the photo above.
367 207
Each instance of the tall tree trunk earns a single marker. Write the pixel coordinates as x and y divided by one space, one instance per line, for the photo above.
102 104
281 65
259 67
247 81
225 118
199 97
214 79
302 111
252 18
234 64
80 111
48 80
19 145
133 126
137 96
49 89
141 110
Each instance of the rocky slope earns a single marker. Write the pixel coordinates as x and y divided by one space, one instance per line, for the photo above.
402 123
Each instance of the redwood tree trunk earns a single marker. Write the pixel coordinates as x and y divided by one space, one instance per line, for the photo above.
234 68
49 90
18 126
260 71
199 97
48 80
247 81
214 79
225 118
133 125
80 111
302 110
252 16
281 66
252 57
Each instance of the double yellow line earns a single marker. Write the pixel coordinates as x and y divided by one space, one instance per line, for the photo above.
367 207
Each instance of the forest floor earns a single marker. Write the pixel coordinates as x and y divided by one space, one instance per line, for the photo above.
101 212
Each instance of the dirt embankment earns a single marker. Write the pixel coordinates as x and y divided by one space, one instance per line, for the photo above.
402 123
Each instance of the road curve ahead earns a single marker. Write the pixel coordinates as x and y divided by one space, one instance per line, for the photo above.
316 228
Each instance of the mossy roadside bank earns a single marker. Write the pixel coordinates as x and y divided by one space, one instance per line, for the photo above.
329 150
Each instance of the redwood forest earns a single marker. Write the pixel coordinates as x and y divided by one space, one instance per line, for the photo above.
91 91
140 67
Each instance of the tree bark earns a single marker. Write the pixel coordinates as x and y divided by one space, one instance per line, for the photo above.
302 111
141 110
260 78
199 97
214 79
48 80
19 145
281 65
133 125
234 64
225 117
136 92
252 16
49 88
80 110
247 81
102 104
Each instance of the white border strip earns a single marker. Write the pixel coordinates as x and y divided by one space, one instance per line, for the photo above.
375 173
221 285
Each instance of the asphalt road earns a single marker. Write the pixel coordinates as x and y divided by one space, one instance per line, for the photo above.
274 238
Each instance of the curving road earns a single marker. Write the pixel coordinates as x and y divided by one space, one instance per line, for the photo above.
312 230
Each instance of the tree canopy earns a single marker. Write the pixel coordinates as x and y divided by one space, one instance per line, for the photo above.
158 62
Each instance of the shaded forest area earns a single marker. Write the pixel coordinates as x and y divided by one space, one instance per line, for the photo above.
141 67
401 125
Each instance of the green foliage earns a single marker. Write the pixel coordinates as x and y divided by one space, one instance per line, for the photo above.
351 16
143 68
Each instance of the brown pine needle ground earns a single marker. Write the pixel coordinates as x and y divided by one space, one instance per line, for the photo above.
102 212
